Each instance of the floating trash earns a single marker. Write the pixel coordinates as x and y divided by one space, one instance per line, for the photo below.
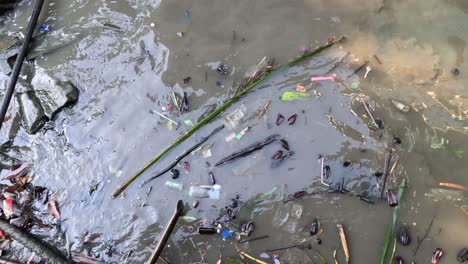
291 96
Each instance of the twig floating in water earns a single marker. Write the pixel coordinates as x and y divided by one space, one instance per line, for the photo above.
263 110
295 196
388 158
377 59
253 239
424 237
179 158
359 68
249 150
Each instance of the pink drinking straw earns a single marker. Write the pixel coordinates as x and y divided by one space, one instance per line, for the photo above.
330 77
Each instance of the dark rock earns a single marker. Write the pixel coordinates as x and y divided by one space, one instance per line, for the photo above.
314 227
6 5
6 162
222 69
9 48
175 173
52 94
233 203
403 236
31 111
455 71
379 123
462 256
396 140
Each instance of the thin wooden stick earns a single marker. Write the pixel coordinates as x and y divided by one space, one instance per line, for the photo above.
344 243
388 159
263 110
424 237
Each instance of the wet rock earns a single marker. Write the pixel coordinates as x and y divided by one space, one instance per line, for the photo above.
32 114
396 141
403 236
52 94
462 256
6 162
314 227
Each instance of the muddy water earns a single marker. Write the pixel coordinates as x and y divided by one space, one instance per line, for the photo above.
125 75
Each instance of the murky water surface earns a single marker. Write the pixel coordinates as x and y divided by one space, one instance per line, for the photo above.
125 74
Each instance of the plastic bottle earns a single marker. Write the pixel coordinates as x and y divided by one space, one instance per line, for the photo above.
198 192
213 192
174 185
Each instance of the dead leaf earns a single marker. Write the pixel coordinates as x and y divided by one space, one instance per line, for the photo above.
21 171
53 208
24 180
14 188
3 236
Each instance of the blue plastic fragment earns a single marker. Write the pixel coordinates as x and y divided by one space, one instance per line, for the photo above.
44 27
226 233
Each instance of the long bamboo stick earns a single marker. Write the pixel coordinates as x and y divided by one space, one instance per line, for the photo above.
218 110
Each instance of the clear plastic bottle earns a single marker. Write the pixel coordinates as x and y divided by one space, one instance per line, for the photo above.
212 192
174 185
198 192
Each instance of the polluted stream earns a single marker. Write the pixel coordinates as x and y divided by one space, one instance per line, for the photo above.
128 58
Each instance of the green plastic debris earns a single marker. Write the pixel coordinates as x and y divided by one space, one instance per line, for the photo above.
291 96
188 219
356 85
188 122
266 195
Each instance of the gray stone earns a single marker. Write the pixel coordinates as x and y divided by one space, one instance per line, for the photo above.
31 111
52 94
6 161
